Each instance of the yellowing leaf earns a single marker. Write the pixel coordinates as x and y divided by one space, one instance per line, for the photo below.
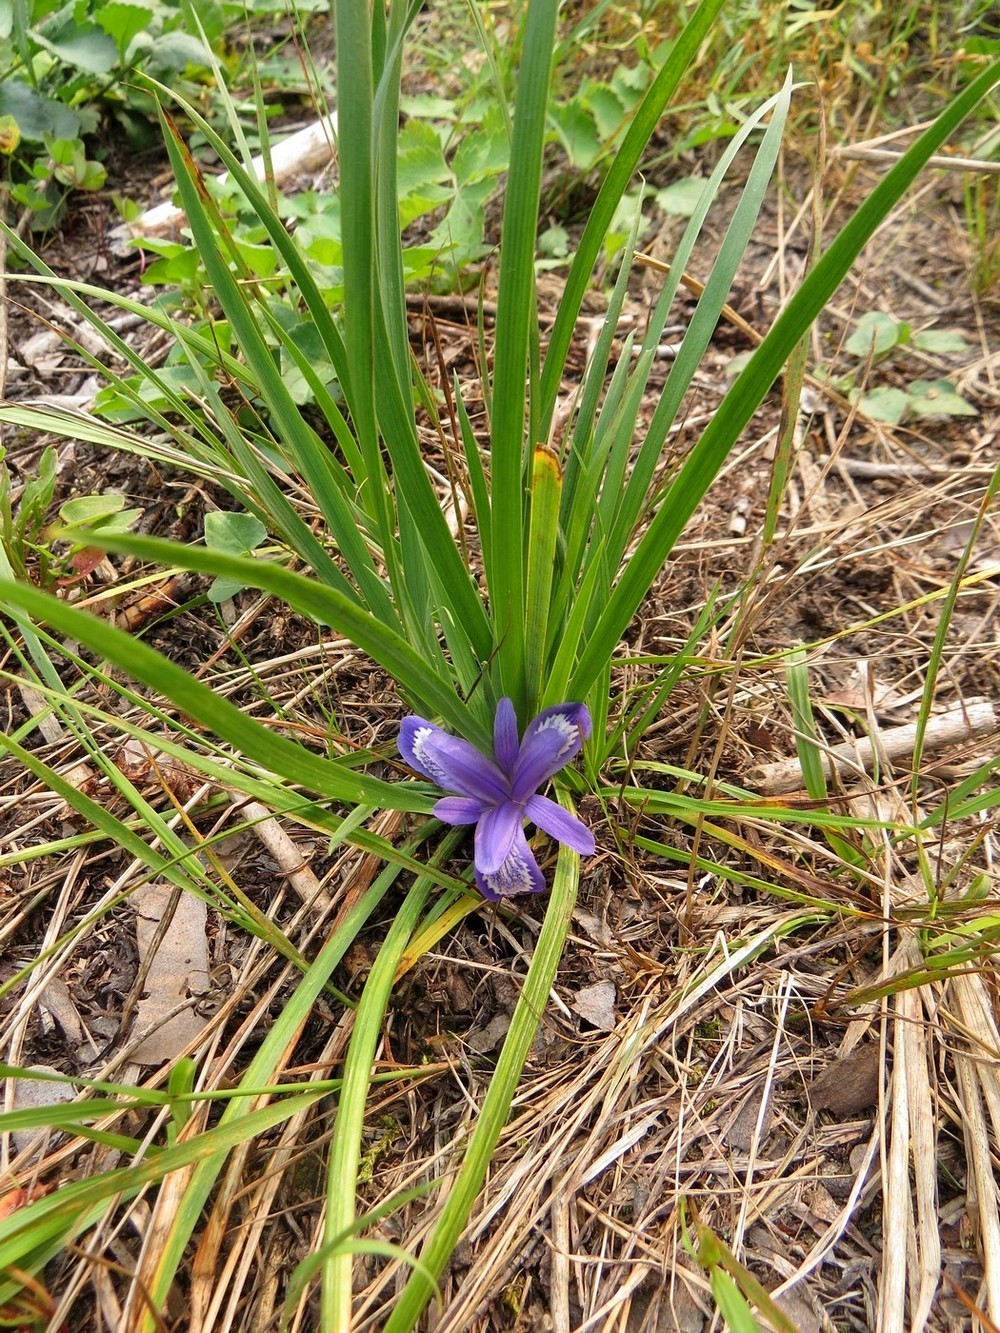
10 135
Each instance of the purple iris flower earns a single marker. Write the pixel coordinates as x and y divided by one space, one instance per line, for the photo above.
498 795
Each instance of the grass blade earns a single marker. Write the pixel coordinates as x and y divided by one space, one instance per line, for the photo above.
623 167
757 377
293 762
515 305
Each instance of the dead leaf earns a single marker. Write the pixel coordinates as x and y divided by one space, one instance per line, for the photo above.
178 973
596 1005
133 759
742 1130
489 1037
850 1084
57 1001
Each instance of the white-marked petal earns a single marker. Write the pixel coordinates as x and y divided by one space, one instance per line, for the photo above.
518 874
550 742
451 762
495 834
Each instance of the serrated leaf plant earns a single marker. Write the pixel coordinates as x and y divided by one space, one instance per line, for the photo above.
499 630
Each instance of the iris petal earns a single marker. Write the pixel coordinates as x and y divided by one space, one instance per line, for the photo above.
410 730
453 764
550 742
495 835
498 796
518 874
459 810
560 824
505 744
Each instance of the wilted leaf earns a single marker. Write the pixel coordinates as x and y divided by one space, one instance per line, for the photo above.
596 1005
10 135
850 1084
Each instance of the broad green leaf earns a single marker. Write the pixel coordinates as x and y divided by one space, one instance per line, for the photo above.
938 398
238 534
105 511
36 115
430 105
876 334
482 154
681 199
172 52
578 133
885 404
942 341
421 161
124 19
83 46
608 109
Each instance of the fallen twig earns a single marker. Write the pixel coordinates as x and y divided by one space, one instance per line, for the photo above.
305 151
977 717
288 856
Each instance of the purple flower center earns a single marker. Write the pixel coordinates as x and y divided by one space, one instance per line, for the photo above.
498 795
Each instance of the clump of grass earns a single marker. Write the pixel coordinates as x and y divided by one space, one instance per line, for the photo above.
565 529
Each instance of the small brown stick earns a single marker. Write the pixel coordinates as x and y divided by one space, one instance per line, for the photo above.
872 468
977 717
283 849
861 154
559 1288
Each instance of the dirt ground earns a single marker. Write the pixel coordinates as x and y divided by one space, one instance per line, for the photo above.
705 1042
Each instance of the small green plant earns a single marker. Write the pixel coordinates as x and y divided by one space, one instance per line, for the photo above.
104 514
233 534
982 219
26 534
64 68
64 166
23 519
876 338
